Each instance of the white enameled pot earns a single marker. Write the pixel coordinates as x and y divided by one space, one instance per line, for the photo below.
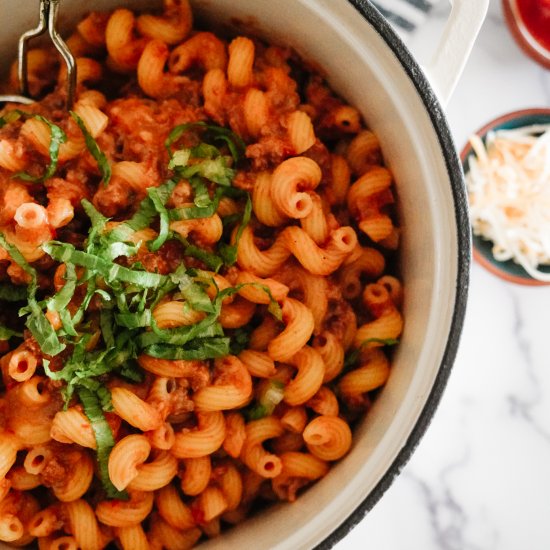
367 64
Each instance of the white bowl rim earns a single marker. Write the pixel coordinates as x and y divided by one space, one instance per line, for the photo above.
464 246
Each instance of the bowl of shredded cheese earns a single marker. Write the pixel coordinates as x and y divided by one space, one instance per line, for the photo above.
507 171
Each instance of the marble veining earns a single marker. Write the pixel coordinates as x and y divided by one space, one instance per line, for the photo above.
480 477
525 406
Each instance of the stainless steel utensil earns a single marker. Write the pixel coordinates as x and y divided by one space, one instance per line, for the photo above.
47 23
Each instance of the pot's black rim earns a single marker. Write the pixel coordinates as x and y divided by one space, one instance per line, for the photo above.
437 116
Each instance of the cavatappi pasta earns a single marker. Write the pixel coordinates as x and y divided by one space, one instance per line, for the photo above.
196 285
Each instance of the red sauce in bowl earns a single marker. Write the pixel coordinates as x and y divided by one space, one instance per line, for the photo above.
536 17
529 23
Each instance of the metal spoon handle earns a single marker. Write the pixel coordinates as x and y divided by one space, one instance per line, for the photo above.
47 22
22 68
65 52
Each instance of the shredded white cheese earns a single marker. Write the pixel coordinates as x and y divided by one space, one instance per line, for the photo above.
509 193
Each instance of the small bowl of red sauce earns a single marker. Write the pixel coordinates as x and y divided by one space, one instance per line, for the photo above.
529 23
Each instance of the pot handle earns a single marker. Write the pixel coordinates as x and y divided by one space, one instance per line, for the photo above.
455 46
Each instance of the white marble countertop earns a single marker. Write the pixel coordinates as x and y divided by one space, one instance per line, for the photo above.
480 478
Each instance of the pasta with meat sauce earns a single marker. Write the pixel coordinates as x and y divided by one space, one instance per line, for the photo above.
196 281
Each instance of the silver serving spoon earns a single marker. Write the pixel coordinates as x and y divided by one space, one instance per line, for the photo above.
47 23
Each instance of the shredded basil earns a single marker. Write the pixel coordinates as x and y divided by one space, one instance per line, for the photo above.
7 333
57 137
61 300
36 322
95 151
105 442
198 349
215 169
211 260
194 294
206 162
66 253
159 205
126 293
271 395
240 340
12 293
11 116
209 133
228 253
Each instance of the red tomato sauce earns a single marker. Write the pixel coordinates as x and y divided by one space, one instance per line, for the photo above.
536 17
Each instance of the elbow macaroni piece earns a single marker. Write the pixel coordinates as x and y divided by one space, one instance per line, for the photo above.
168 536
231 485
72 426
171 27
315 223
372 373
294 420
22 365
237 314
78 480
204 230
172 509
235 434
295 241
265 210
369 263
324 402
290 183
168 368
44 523
210 504
32 394
365 198
152 78
155 474
328 437
135 411
258 363
332 351
308 380
260 291
162 438
19 479
254 455
300 131
388 323
299 469
241 61
256 111
125 513
132 538
123 46
214 89
231 387
363 152
196 476
203 49
298 330
83 524
125 458
202 441
9 445
313 290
